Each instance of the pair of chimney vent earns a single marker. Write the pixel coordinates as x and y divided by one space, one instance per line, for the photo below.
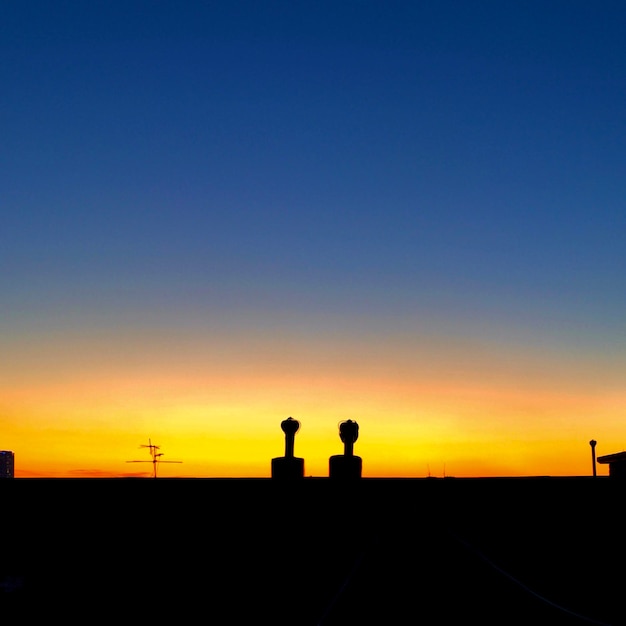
341 466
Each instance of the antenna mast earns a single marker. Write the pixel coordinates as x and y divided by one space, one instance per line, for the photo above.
156 456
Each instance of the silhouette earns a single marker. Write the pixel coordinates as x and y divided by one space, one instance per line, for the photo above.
616 463
346 465
156 457
7 464
317 552
593 443
288 466
11 583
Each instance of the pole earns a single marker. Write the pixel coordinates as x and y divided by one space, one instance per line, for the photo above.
592 443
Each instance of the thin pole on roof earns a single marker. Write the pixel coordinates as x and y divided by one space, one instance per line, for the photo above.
592 443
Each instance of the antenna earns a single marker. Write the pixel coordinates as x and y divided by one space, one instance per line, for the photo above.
156 456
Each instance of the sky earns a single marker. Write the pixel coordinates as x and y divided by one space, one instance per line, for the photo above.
217 215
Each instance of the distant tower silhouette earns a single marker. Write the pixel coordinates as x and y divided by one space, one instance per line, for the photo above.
592 443
346 465
288 466
7 464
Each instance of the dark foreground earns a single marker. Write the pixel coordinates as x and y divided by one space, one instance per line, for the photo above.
313 553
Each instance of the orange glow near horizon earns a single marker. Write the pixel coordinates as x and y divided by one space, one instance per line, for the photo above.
221 416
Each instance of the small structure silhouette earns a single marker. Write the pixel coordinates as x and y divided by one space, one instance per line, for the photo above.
288 466
156 457
616 463
7 464
346 465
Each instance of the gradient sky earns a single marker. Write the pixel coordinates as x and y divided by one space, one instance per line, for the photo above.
216 215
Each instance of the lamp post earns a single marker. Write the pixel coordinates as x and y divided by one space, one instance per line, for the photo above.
592 443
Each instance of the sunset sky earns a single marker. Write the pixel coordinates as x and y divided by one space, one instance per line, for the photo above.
216 215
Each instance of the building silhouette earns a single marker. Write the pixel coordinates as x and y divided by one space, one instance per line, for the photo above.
616 463
7 464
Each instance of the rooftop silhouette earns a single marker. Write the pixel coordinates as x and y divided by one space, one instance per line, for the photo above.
316 552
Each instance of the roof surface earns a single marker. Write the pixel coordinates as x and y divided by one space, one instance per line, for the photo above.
612 458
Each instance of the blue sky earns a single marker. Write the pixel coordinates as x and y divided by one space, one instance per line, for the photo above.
447 168
325 148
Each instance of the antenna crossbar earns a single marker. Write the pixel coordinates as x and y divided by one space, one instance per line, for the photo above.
156 457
